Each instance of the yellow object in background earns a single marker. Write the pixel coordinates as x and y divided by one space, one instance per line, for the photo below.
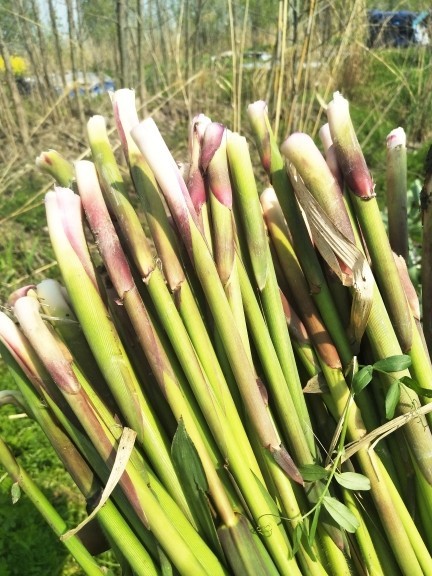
18 64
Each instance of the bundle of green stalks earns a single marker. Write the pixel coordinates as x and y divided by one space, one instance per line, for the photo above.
244 387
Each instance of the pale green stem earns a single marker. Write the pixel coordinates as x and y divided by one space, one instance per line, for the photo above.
58 525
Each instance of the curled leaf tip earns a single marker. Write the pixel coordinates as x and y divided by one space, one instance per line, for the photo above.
19 293
285 461
211 142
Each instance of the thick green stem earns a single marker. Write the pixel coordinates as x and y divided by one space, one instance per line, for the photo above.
396 171
273 163
426 208
113 523
73 544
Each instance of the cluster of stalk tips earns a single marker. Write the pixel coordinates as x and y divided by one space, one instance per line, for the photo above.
238 381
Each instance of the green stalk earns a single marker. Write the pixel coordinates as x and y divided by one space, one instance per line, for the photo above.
330 154
295 279
156 154
24 356
167 246
138 359
321 199
240 546
195 181
370 557
426 209
269 360
184 547
165 307
108 350
273 164
73 544
58 312
289 421
423 495
358 179
299 335
265 277
92 204
112 522
398 525
316 175
396 172
287 496
121 277
215 165
402 537
147 138
382 342
115 262
414 304
163 235
419 560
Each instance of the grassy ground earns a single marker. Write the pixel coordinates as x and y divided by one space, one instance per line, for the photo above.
27 545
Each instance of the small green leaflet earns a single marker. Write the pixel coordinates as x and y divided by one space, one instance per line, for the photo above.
352 480
362 379
15 492
393 363
313 472
296 538
193 480
414 385
341 514
314 525
392 399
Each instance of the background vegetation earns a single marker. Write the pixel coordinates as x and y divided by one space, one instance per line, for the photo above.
182 57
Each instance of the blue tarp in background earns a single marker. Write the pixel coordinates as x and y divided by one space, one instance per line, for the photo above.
398 29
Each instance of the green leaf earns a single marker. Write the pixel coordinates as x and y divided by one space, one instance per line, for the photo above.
392 399
313 472
296 538
307 545
166 567
362 379
15 492
393 363
414 385
341 514
188 467
314 525
352 480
